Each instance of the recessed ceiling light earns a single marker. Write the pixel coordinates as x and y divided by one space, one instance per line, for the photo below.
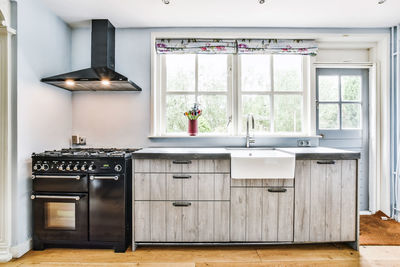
261 1
166 2
70 82
380 2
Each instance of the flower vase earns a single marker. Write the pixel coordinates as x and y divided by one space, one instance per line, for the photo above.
192 129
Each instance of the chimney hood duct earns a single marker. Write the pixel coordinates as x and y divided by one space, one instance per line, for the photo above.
101 76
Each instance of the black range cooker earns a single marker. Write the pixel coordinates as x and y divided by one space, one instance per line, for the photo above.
82 198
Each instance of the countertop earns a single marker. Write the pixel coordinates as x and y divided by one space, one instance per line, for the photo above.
313 153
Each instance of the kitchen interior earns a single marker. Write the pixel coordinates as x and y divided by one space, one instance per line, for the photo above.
173 133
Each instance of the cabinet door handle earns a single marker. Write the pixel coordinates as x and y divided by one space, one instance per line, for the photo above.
181 176
181 204
326 162
277 190
182 162
92 177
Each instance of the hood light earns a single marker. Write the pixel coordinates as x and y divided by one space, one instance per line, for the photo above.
105 82
70 82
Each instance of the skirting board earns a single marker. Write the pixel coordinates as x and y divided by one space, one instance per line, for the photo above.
5 257
20 249
365 212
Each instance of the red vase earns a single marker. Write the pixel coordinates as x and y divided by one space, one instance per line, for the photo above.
192 129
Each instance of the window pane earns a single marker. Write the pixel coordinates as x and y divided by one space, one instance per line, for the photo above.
328 88
214 116
351 116
176 107
287 73
259 106
59 215
288 113
180 72
351 88
213 72
255 72
328 116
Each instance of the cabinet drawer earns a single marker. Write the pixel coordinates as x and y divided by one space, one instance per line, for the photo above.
182 186
181 221
262 182
182 166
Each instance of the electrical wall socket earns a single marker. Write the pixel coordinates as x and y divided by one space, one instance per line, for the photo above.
303 142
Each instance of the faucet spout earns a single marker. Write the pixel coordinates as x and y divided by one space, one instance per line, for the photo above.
249 139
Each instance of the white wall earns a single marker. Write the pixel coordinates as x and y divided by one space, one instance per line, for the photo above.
123 119
44 112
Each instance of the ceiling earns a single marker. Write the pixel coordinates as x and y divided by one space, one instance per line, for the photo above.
230 13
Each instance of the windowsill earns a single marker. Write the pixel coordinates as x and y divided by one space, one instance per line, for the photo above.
229 136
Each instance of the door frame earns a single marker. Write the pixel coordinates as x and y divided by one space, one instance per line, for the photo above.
374 151
5 140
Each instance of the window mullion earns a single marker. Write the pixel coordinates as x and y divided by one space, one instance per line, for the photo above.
196 78
272 115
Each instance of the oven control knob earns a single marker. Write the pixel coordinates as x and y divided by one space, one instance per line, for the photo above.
76 167
45 167
37 167
61 167
84 167
118 168
92 167
69 167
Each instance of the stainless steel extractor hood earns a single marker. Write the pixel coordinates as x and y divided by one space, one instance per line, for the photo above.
101 76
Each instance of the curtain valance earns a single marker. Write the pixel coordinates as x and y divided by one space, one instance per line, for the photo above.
236 46
196 46
277 46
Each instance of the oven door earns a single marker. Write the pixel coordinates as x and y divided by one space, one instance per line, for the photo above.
58 217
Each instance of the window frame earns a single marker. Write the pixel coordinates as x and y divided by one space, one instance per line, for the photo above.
196 93
271 93
158 99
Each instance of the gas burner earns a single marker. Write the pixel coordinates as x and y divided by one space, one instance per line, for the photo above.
88 152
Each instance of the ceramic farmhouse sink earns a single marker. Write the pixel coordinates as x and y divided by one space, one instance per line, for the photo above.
261 164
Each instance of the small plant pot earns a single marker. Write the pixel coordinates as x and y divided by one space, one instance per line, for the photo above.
192 128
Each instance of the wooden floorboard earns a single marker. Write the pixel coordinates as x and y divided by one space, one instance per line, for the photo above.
299 255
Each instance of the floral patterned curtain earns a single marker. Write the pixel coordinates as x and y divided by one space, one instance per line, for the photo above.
277 46
240 46
196 46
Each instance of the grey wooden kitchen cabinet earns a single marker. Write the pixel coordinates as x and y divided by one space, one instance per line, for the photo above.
325 201
188 200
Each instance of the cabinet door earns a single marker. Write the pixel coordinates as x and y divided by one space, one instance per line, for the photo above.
325 201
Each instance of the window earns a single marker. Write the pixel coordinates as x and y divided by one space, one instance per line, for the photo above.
339 98
228 88
271 88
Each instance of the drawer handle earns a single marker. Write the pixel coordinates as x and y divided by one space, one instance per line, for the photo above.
326 162
277 190
182 162
181 204
181 176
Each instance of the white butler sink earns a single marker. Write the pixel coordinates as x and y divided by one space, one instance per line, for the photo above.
262 164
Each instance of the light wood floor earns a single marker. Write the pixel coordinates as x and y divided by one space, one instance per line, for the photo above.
305 255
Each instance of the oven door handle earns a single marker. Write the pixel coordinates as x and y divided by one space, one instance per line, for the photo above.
93 177
76 177
77 198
